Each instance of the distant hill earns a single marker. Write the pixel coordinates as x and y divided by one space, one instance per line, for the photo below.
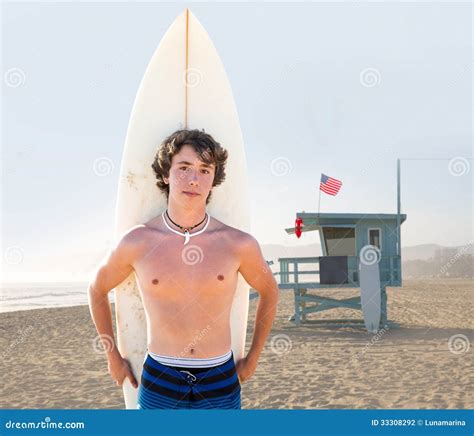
431 261
427 251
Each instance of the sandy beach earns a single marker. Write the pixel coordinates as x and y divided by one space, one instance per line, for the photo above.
48 358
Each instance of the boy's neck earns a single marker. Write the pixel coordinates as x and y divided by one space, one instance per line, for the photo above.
186 217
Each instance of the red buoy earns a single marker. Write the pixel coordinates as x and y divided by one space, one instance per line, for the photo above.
298 227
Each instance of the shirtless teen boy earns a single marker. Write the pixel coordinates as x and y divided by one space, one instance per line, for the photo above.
184 300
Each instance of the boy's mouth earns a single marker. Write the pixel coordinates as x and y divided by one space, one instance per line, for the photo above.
190 194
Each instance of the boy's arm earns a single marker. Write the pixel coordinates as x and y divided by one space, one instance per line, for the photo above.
259 276
113 270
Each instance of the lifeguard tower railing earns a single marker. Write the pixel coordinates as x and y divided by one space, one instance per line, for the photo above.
306 301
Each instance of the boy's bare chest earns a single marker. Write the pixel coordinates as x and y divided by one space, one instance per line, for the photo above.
172 268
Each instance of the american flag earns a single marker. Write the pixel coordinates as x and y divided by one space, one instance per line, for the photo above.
329 185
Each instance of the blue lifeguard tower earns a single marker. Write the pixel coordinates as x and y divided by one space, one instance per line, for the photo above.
344 237
347 240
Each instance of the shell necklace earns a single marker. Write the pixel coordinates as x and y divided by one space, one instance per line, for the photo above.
186 234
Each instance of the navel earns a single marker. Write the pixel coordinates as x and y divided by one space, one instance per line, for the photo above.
220 277
191 350
155 281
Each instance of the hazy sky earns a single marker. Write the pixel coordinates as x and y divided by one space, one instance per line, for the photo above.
339 88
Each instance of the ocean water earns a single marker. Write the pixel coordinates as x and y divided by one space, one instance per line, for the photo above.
26 296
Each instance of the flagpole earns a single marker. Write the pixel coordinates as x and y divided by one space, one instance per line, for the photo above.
319 201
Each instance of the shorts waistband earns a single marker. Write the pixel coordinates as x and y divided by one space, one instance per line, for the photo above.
191 362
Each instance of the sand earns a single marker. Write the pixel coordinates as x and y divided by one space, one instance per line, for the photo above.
48 359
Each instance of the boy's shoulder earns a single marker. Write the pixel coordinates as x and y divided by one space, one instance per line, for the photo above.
238 237
134 235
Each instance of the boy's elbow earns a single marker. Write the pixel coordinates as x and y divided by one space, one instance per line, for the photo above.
96 286
92 291
276 294
271 293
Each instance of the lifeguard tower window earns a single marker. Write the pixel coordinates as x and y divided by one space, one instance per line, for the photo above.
340 241
374 237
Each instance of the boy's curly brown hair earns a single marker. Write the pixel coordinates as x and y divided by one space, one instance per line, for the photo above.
207 148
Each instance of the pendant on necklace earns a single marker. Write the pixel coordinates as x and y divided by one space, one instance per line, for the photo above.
186 236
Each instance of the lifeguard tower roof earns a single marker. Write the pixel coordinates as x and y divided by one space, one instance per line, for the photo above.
348 234
313 221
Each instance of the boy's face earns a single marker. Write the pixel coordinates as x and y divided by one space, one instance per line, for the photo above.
189 174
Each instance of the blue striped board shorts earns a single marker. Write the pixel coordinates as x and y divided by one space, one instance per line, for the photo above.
175 387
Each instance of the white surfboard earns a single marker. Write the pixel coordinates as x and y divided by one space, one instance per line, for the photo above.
184 86
370 294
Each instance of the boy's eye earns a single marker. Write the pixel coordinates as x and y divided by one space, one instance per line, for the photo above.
186 168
